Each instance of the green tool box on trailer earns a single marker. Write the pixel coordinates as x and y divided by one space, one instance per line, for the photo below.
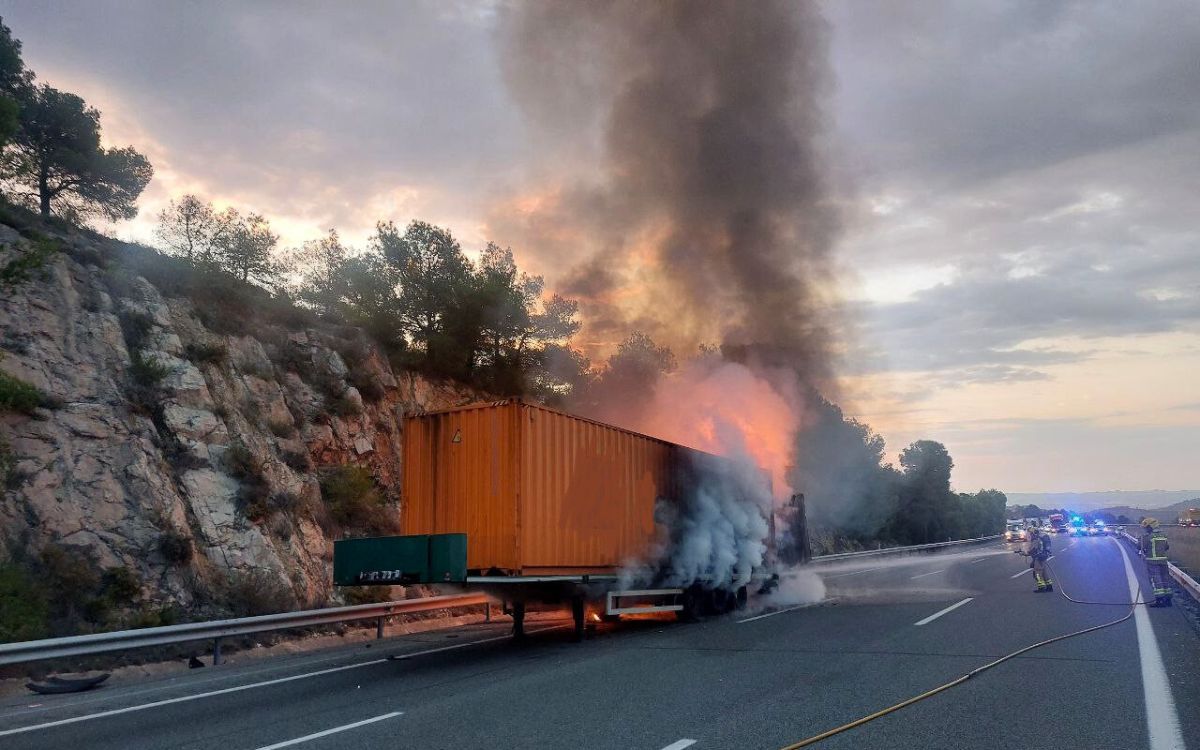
398 560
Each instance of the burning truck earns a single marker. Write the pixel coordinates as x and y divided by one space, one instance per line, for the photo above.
532 505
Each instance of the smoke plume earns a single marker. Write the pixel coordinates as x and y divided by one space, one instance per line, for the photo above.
707 221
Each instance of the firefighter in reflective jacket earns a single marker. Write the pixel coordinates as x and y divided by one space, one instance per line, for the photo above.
1154 548
1038 552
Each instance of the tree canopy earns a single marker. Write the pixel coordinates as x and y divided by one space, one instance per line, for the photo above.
52 156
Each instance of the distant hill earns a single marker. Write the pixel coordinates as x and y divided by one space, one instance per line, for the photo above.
1162 502
1166 514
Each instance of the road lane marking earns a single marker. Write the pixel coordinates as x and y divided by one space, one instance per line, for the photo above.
855 573
1023 572
1162 719
281 663
248 686
945 611
979 559
327 732
943 570
772 614
679 744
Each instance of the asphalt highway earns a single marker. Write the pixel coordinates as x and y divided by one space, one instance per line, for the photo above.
758 679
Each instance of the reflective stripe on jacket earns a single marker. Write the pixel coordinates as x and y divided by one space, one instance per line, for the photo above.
1157 548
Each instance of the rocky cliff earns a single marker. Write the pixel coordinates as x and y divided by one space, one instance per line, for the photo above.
189 457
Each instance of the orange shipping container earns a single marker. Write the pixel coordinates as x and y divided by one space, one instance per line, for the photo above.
536 491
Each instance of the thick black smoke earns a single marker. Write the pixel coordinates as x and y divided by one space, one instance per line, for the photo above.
711 193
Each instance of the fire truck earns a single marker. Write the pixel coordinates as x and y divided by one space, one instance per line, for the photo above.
1058 523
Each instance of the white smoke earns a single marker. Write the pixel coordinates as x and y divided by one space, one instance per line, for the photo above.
718 524
797 586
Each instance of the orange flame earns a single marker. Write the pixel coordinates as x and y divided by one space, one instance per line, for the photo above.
727 409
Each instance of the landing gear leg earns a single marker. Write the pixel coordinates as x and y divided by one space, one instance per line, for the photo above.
577 615
518 617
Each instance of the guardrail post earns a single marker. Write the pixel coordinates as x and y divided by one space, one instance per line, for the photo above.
379 629
487 612
216 651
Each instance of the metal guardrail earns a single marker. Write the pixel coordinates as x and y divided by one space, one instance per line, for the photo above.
121 640
897 550
1185 581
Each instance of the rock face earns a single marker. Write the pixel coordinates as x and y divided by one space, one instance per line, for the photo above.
106 473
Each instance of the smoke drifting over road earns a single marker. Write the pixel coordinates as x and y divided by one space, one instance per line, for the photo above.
709 221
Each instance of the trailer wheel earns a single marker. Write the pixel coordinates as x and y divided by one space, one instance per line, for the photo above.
518 618
743 597
692 605
722 601
577 615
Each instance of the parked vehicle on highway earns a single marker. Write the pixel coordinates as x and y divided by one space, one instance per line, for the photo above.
533 505
1058 523
1190 517
1014 531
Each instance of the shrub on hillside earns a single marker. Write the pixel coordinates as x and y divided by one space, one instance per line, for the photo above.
283 428
367 383
144 389
24 613
296 460
136 326
18 396
240 462
175 548
256 592
367 594
207 352
11 477
353 501
343 406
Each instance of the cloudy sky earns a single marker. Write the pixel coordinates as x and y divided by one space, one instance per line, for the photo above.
1017 267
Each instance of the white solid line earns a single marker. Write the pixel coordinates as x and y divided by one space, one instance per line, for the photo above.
248 686
943 570
947 610
1162 719
327 732
679 744
1023 572
855 573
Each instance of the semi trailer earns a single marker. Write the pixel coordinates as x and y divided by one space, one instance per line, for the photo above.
533 505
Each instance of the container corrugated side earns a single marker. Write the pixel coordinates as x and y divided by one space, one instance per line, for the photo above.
460 476
587 492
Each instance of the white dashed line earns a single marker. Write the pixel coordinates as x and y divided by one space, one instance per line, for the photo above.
772 614
947 610
327 732
943 570
855 573
1023 572
679 744
248 686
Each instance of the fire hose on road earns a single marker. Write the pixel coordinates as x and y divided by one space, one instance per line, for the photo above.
955 683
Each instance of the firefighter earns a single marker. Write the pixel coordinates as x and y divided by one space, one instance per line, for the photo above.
1038 551
1154 548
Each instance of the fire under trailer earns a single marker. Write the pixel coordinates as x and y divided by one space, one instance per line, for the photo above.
535 506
